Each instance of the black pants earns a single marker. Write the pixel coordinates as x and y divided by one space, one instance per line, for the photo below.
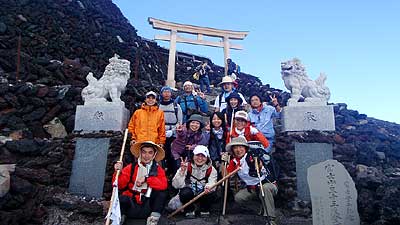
169 159
186 194
155 203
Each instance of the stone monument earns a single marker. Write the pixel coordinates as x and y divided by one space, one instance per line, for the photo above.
308 154
313 113
98 113
333 194
89 167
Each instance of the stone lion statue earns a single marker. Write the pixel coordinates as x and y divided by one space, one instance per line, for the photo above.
296 80
111 84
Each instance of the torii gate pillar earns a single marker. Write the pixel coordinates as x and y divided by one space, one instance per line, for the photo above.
171 60
173 38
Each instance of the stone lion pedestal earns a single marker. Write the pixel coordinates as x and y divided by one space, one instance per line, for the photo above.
313 113
303 116
103 116
97 113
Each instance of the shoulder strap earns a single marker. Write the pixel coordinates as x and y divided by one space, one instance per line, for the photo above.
130 177
184 99
188 173
208 172
176 110
196 104
189 169
220 99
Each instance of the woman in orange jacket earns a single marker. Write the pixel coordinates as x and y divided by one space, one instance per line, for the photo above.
147 123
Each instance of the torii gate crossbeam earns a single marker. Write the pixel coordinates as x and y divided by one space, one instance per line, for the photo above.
173 37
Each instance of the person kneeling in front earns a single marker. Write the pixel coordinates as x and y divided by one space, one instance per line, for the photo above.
143 184
239 149
193 178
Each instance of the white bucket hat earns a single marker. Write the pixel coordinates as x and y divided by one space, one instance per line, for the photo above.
201 149
241 115
187 83
151 93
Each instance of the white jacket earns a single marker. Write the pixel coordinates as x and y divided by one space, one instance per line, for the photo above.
178 181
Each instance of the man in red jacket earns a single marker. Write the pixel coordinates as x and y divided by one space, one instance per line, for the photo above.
143 188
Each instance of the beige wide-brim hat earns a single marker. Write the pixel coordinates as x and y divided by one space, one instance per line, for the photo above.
135 149
237 141
226 80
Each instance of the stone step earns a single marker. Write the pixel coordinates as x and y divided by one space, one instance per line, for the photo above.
232 219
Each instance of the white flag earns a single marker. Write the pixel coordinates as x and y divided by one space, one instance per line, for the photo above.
115 213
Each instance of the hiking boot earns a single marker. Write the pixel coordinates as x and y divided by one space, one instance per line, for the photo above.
190 215
205 214
272 221
152 220
123 218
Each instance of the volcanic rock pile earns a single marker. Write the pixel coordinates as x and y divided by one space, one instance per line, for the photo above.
368 148
40 181
61 41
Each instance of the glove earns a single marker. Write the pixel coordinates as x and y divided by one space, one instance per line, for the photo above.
225 156
169 133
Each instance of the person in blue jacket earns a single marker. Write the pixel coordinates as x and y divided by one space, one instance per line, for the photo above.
204 70
261 115
191 102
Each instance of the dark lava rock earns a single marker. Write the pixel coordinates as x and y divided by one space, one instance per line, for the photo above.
21 186
35 115
23 146
3 28
41 176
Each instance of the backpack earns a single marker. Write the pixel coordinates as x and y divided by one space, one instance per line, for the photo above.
175 111
189 174
196 76
237 69
190 111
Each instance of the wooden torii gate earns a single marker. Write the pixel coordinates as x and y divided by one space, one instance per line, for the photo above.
173 37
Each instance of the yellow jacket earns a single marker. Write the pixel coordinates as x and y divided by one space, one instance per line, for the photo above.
147 124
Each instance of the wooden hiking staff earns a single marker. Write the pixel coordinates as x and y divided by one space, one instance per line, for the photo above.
226 164
117 175
204 193
225 184
258 174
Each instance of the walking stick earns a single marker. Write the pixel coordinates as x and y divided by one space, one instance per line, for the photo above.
204 193
262 191
225 190
117 175
226 165
258 174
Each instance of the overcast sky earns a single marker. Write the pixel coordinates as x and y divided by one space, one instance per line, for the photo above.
356 43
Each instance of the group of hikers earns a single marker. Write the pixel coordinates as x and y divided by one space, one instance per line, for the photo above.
176 142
